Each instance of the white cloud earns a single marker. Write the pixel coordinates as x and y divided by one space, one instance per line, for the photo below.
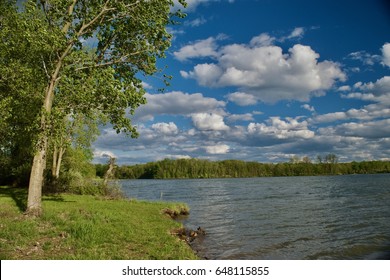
297 33
145 85
217 149
369 112
264 39
103 154
166 128
209 121
267 73
242 98
386 54
240 117
257 113
308 107
196 22
365 57
280 129
178 103
378 91
201 48
375 129
330 117
344 88
206 74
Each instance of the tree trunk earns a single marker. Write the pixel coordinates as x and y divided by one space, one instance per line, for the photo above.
58 153
110 171
54 163
34 200
59 161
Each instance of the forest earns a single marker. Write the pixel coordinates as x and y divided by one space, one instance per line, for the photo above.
200 168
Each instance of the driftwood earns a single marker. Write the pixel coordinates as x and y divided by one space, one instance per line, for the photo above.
110 171
189 235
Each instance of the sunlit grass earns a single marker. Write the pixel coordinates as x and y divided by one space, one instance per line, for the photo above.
88 227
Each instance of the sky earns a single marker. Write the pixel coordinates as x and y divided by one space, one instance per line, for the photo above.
266 81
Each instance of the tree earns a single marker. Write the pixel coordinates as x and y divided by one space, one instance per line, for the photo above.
21 87
91 55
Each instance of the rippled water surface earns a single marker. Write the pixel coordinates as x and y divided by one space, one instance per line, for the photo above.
335 217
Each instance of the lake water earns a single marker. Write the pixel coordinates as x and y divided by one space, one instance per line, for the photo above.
324 217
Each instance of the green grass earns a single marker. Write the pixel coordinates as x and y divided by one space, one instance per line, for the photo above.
87 227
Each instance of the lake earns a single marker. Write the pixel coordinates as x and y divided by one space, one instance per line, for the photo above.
282 218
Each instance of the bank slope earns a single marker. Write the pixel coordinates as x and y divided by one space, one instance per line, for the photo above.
87 227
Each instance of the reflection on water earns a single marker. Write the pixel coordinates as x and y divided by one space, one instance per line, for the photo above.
341 217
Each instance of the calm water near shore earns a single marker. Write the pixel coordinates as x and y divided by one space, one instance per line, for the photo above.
325 217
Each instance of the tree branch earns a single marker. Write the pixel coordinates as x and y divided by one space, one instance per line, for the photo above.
44 67
85 26
120 60
65 28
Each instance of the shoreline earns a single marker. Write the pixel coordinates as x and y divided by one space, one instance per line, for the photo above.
82 227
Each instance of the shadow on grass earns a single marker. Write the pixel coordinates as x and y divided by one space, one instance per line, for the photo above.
19 195
54 197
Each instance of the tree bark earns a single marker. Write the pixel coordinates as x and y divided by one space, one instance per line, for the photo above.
110 171
34 200
58 153
59 161
54 163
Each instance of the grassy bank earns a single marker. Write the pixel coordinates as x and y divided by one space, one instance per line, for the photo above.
87 227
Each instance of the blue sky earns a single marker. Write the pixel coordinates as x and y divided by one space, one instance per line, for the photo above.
265 81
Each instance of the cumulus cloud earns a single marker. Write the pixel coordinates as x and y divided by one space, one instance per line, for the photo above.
101 154
263 39
378 91
268 74
145 85
281 129
166 128
209 121
240 117
330 117
308 107
344 88
217 149
374 130
201 48
242 98
386 54
178 103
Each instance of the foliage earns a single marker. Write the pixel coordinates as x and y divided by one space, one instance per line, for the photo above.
86 227
77 175
66 65
196 168
21 89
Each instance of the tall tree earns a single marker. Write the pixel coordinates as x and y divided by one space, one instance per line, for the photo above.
92 55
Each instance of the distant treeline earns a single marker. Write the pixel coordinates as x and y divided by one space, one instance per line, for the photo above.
198 168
